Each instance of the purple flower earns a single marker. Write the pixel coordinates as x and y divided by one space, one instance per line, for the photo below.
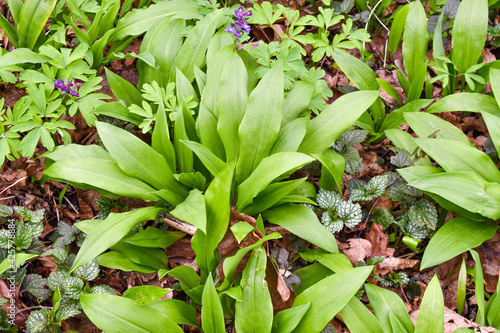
68 87
239 25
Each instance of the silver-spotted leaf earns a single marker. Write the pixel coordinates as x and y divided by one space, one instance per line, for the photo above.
423 213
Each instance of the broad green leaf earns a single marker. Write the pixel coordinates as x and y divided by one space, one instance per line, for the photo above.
110 231
337 262
454 238
144 256
431 314
328 297
21 56
290 136
207 157
231 100
389 89
285 321
220 40
362 76
437 41
254 313
138 159
479 288
493 120
9 30
271 195
187 277
212 316
75 151
323 130
383 301
397 27
415 40
452 155
160 140
99 174
465 189
218 208
269 169
193 210
261 123
426 125
32 19
418 83
177 310
206 128
231 263
471 102
469 33
359 319
116 314
192 52
334 163
19 258
122 89
461 285
296 101
145 294
493 309
310 275
301 221
119 111
154 237
214 72
183 155
241 229
396 117
116 260
183 87
140 20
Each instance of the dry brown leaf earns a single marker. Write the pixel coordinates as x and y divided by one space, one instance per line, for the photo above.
394 264
378 239
357 250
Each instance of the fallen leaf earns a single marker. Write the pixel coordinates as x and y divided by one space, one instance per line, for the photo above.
395 264
378 239
358 250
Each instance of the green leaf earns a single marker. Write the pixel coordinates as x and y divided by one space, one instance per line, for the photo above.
34 283
479 288
335 164
359 319
425 125
454 238
116 260
217 199
38 320
177 310
328 297
465 189
101 175
301 221
145 294
32 19
140 20
122 89
397 27
270 168
296 101
20 258
362 76
150 257
261 123
423 213
241 229
88 272
108 232
337 262
384 301
21 56
207 157
230 264
254 313
118 314
457 156
415 40
154 237
193 210
212 316
469 33
285 321
493 309
323 130
431 314
192 52
139 160
290 136
471 102
461 286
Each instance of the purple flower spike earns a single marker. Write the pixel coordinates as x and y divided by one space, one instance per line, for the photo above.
245 26
240 25
59 84
231 30
74 93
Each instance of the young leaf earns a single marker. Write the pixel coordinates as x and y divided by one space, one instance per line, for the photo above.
479 288
359 319
469 33
415 40
212 316
193 210
32 18
454 238
122 89
461 286
116 314
328 297
431 314
254 312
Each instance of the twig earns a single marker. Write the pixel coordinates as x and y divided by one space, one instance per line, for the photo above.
34 308
71 205
17 181
178 224
385 27
12 196
57 212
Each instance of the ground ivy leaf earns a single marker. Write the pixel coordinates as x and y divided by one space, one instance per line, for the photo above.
23 236
423 213
411 229
350 213
69 308
334 226
34 284
59 255
377 186
4 239
57 279
88 272
37 320
328 199
73 287
383 217
6 211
